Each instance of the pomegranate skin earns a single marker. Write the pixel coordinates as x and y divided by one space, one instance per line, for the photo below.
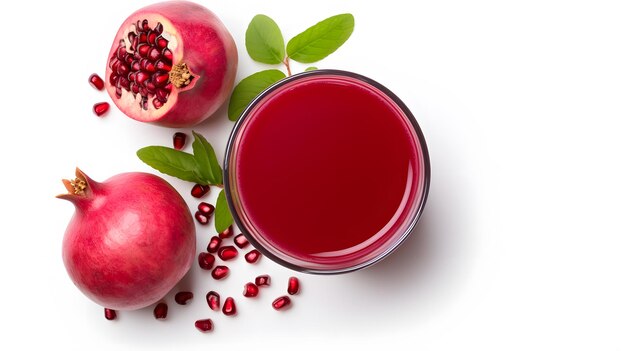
197 38
131 239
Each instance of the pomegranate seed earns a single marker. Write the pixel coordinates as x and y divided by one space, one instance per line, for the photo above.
160 311
293 287
229 308
200 190
227 233
110 314
100 108
241 241
281 303
206 260
250 290
179 140
220 272
227 253
96 81
206 209
182 297
213 300
262 280
202 219
253 256
214 244
204 325
158 29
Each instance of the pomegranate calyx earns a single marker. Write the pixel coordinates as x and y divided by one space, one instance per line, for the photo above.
77 186
180 75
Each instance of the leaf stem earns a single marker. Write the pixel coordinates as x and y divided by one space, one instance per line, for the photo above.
286 62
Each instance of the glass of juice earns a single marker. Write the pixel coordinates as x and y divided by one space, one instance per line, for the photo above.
326 172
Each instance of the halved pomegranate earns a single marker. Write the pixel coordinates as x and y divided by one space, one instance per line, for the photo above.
172 63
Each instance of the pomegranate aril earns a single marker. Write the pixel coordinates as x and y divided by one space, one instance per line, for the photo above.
162 66
167 54
110 314
154 54
132 36
143 49
152 38
160 311
214 244
253 256
141 77
281 302
262 280
124 83
213 300
161 95
206 208
219 272
150 87
100 108
179 140
250 290
293 286
229 307
227 253
123 70
147 66
182 297
161 79
200 217
144 25
227 233
158 29
156 103
161 43
204 325
121 53
143 38
241 241
206 261
96 81
200 190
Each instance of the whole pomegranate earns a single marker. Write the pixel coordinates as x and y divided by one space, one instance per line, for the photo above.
131 239
172 63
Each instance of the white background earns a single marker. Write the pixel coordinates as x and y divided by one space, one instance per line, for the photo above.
521 246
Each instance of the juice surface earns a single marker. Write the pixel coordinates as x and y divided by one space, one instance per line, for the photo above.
327 168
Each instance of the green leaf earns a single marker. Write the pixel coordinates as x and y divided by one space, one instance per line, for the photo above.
249 88
264 41
206 160
172 162
312 68
322 39
223 217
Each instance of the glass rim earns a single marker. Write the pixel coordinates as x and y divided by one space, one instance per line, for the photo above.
411 220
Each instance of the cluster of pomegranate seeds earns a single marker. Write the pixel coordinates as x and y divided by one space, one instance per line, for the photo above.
227 233
204 325
160 311
214 244
200 190
101 108
144 67
229 309
293 287
110 314
179 140
253 256
281 303
250 290
262 280
96 81
241 241
220 272
227 253
206 260
182 297
213 300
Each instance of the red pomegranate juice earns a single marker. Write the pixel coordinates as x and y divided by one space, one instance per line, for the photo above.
327 173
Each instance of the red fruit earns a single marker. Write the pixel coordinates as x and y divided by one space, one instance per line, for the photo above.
214 244
253 256
201 218
293 287
250 290
229 309
213 300
281 303
100 108
182 59
241 241
227 253
206 209
179 140
160 311
200 190
126 248
204 325
96 81
110 314
220 272
262 280
182 297
227 233
206 260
